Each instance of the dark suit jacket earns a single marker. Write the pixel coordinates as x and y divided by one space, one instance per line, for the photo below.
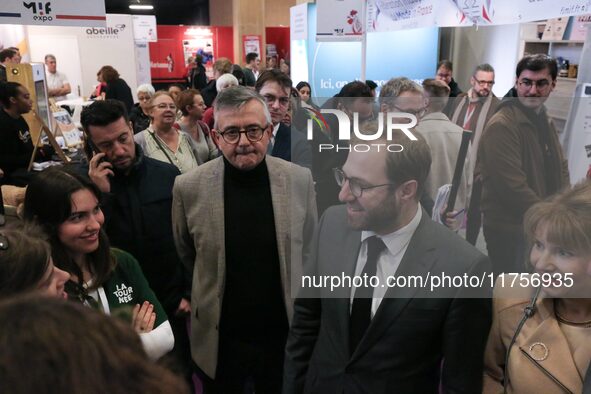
291 145
587 382
409 336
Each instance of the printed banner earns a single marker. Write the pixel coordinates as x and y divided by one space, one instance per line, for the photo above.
298 22
144 28
87 13
387 15
251 43
339 20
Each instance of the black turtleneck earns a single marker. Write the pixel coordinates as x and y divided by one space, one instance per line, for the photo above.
253 309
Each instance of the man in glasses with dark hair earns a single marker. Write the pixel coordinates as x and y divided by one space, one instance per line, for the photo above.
242 224
286 143
471 111
520 160
373 333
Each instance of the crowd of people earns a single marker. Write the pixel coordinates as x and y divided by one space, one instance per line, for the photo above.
187 236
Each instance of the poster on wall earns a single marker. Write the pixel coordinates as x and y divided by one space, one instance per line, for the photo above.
580 26
555 28
298 22
142 56
89 13
251 43
144 28
339 20
199 41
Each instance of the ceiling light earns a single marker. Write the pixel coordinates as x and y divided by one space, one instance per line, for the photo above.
141 7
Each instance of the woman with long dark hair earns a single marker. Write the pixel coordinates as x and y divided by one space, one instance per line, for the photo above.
67 206
305 91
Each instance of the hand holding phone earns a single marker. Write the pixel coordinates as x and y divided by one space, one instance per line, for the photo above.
99 170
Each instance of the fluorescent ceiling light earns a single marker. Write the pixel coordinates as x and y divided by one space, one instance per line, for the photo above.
141 7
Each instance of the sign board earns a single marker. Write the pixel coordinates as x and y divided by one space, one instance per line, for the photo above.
251 43
67 128
298 16
340 20
53 13
144 28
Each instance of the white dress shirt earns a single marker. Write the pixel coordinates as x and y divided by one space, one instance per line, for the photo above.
56 80
389 260
272 140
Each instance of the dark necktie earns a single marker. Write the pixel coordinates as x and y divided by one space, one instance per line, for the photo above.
361 309
587 382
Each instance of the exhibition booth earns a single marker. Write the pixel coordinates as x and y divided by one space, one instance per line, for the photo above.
336 42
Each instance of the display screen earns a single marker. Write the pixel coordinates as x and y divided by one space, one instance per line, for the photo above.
43 110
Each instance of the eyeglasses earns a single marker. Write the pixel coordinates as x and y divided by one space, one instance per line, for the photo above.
3 242
484 83
270 99
540 85
354 186
165 106
253 133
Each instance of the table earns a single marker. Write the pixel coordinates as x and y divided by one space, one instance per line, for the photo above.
77 104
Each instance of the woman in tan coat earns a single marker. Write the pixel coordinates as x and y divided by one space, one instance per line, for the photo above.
552 349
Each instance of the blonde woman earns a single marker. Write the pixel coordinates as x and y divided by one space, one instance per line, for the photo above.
162 141
540 340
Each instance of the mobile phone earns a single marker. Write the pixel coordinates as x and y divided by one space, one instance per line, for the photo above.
91 149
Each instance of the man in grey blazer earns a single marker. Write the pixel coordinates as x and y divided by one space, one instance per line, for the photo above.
378 338
242 224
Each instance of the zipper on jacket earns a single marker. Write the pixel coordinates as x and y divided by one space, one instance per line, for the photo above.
546 372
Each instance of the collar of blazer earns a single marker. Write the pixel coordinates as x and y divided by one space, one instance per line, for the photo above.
280 191
558 364
417 261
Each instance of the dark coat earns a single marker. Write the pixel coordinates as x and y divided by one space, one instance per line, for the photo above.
138 220
291 145
412 332
209 93
119 90
521 162
198 79
139 119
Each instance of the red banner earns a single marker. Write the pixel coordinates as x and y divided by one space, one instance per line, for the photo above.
169 55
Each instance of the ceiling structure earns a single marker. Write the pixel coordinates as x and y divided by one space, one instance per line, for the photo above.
168 12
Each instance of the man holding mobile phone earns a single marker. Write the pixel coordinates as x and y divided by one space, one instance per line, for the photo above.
137 203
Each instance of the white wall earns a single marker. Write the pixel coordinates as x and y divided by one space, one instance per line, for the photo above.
66 54
496 45
115 47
